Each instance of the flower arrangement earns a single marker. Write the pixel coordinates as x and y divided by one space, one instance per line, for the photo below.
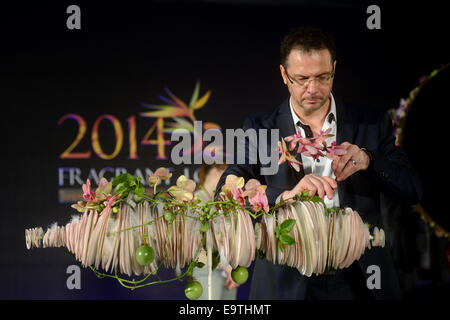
125 230
314 147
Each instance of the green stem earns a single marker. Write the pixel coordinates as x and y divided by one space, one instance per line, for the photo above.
133 227
136 284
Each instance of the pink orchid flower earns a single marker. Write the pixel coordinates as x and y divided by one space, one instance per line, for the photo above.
238 195
88 195
104 188
251 187
296 137
230 182
110 201
322 136
313 150
287 156
335 150
259 200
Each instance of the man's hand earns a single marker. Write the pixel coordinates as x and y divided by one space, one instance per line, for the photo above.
352 161
229 283
315 185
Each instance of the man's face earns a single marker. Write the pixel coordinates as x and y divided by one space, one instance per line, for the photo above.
308 76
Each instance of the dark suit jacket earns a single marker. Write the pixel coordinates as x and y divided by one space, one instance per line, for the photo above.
389 172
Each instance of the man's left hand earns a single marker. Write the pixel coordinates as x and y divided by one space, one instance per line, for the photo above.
352 161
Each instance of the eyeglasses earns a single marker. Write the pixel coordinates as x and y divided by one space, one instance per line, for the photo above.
322 80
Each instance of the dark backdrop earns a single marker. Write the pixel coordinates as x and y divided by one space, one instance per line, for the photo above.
124 56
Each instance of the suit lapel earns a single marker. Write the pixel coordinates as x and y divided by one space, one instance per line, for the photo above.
345 132
345 127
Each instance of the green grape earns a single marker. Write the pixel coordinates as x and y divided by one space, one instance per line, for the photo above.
239 275
193 290
145 255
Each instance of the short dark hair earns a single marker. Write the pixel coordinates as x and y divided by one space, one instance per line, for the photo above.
306 39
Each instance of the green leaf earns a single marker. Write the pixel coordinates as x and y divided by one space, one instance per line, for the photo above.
287 226
215 260
199 264
280 245
286 239
304 193
122 188
277 232
319 200
126 178
139 190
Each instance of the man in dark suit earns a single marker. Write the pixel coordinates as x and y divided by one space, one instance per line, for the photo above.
371 165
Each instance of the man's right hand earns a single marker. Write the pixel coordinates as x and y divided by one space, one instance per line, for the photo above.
315 185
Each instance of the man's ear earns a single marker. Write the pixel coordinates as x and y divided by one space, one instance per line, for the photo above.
334 65
283 74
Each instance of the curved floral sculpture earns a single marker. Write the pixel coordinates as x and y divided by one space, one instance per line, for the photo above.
128 231
173 227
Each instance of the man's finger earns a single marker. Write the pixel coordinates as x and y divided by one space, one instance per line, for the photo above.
343 160
318 182
348 170
335 158
330 186
331 182
332 157
306 184
345 144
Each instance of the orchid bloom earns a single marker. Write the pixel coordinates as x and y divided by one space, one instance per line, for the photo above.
80 206
311 147
323 135
251 187
88 195
238 195
287 156
110 201
184 190
335 150
259 200
104 188
227 189
296 137
313 150
159 175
